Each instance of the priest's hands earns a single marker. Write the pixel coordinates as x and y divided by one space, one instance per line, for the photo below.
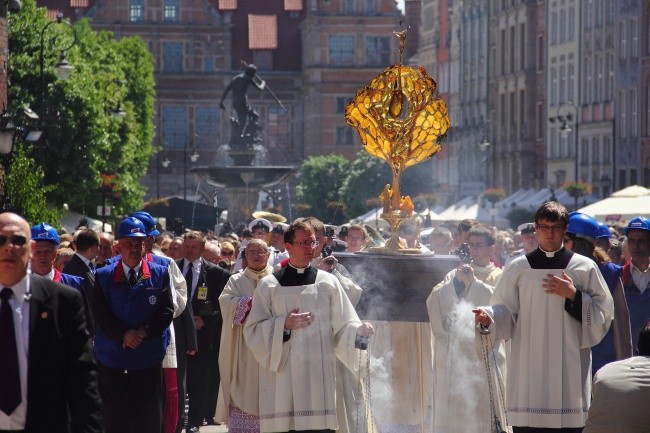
297 320
366 329
561 286
481 317
465 274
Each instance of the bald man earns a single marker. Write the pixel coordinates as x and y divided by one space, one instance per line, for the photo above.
48 378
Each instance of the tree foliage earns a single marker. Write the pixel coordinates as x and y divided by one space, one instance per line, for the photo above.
353 185
83 140
317 193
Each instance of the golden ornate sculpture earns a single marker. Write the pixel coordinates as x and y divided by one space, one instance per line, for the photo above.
400 120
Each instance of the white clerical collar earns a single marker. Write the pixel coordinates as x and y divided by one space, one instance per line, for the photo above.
550 254
300 270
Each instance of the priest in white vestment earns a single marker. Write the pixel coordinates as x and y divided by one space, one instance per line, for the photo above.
555 306
460 380
300 321
239 397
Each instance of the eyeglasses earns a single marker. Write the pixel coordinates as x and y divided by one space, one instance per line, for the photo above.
227 253
474 246
308 243
16 240
545 228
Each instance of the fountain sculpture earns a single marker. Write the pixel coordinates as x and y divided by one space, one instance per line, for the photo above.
240 175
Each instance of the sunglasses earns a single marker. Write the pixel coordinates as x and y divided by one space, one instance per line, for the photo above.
16 240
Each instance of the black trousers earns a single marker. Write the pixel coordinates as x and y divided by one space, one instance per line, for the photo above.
546 430
132 399
197 386
213 376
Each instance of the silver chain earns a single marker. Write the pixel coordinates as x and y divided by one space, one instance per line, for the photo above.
486 339
365 396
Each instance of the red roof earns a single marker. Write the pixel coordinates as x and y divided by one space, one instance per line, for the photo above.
227 5
262 32
292 5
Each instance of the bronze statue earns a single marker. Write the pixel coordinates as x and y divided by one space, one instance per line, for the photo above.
239 86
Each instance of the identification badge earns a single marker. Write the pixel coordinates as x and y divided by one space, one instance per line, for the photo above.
203 293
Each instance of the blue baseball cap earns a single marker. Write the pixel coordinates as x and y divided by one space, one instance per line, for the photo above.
45 232
131 228
148 221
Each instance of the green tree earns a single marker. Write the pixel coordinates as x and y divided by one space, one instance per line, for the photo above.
367 177
365 180
83 140
317 194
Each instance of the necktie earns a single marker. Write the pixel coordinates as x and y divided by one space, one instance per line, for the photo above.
132 279
10 395
189 277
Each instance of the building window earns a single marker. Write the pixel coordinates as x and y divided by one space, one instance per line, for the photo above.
170 11
377 50
208 64
370 6
263 59
341 50
634 117
571 24
554 31
540 52
570 81
622 47
278 126
553 95
344 136
541 120
174 127
563 26
172 57
206 126
598 89
562 87
522 47
341 103
621 127
584 150
136 11
350 6
634 39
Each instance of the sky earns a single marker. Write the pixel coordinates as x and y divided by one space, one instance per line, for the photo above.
400 5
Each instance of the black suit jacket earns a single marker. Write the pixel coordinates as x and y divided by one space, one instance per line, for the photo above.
62 391
215 279
78 268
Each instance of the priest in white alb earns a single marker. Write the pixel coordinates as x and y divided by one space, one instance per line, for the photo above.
239 398
300 322
554 305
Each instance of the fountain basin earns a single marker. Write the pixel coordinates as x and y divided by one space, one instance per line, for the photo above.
244 176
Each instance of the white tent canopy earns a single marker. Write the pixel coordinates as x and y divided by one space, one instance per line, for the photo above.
621 206
466 209
70 220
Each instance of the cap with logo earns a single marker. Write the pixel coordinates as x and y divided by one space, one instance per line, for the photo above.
526 228
148 221
260 223
280 228
131 227
45 232
638 223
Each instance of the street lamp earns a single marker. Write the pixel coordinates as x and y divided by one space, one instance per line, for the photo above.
484 145
63 67
565 122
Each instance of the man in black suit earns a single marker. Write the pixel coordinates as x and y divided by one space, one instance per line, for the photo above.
51 383
205 282
82 265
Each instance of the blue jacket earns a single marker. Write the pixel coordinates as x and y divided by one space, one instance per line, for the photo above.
119 308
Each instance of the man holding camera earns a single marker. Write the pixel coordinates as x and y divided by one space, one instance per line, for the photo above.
471 283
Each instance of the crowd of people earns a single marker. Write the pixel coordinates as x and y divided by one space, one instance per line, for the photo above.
256 326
